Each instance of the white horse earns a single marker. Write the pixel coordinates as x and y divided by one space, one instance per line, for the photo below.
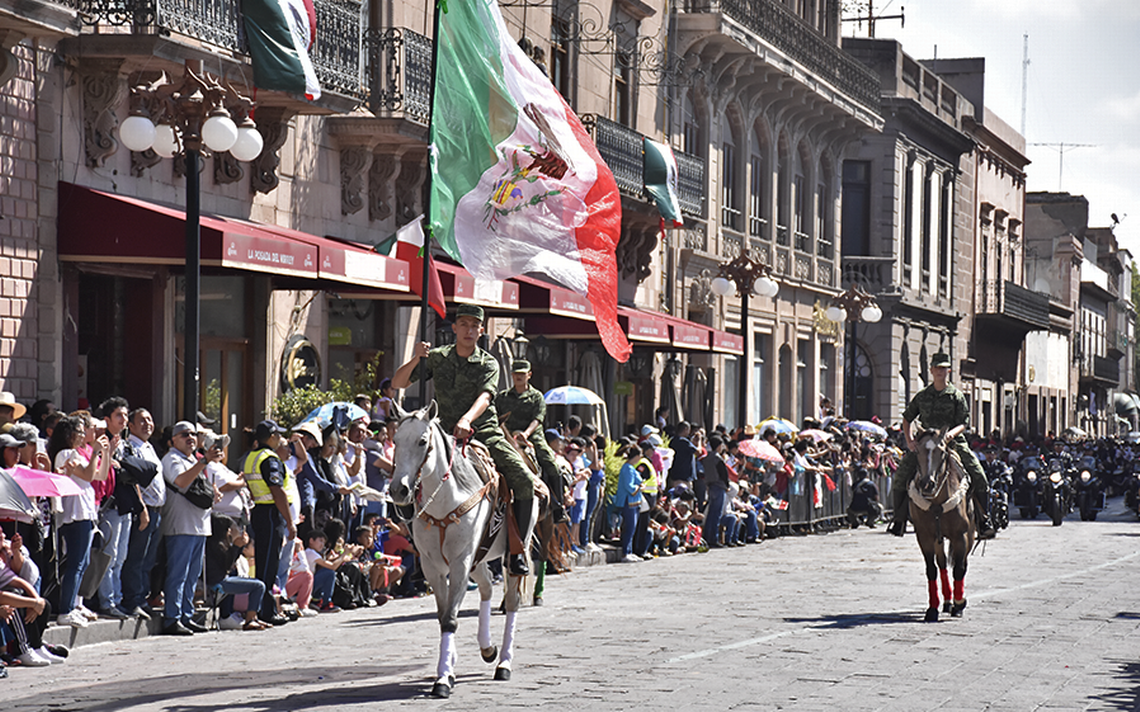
452 510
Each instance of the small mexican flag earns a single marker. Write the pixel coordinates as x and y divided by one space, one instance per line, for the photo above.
280 34
408 245
660 177
517 184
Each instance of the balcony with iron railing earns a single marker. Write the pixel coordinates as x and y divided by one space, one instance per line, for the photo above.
41 18
398 73
1014 307
1104 370
622 149
776 25
874 274
216 28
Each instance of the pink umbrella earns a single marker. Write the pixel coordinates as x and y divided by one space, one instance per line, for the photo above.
761 450
37 483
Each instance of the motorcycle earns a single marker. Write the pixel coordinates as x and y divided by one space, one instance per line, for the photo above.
1001 482
1088 489
1056 490
1026 486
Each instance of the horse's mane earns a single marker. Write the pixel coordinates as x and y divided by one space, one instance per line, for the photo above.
463 471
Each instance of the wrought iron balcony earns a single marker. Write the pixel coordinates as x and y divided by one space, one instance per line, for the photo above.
773 23
622 149
1103 369
399 73
336 54
1015 306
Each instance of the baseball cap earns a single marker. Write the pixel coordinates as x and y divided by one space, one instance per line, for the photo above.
469 310
183 426
553 434
264 429
648 430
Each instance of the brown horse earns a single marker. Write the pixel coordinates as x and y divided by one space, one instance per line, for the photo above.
942 511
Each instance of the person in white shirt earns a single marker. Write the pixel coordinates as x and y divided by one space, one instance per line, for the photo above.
145 536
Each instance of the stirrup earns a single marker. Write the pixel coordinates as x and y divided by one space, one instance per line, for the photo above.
517 565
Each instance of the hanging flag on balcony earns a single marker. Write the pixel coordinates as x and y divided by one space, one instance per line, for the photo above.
408 245
660 177
280 34
517 184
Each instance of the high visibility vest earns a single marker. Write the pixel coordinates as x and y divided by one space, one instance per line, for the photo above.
258 489
649 486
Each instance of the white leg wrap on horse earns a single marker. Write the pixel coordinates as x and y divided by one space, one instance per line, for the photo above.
484 624
446 655
508 650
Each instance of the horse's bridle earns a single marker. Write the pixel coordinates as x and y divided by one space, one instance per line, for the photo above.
943 479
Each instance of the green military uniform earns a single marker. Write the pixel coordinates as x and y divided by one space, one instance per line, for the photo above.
937 410
520 410
458 382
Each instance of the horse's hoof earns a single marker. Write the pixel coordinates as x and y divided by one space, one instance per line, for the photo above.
946 607
489 654
957 608
441 690
931 615
503 674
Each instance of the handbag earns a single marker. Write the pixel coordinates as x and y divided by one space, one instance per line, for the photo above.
200 493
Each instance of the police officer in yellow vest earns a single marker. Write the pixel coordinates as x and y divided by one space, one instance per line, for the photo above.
272 524
649 479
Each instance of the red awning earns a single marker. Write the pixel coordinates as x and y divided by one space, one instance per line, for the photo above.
726 343
659 328
97 226
538 297
690 336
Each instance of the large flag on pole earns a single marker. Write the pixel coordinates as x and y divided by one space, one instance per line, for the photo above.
408 245
517 184
280 34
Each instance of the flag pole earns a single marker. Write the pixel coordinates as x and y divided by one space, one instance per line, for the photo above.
429 233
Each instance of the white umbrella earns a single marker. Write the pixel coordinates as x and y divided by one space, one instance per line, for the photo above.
572 395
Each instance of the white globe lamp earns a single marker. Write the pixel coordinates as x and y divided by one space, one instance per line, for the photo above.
166 142
219 132
871 314
137 132
248 145
837 314
766 287
723 287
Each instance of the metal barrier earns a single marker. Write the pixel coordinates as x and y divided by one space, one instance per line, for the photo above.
802 514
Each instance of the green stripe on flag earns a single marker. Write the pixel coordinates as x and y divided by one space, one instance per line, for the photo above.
276 65
472 112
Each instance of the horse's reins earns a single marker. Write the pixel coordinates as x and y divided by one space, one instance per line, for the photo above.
441 523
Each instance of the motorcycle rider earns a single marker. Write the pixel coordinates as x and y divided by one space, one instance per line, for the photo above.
940 405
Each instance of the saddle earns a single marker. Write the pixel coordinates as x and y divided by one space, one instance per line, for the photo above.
501 512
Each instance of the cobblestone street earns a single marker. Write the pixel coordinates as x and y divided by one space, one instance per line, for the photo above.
807 623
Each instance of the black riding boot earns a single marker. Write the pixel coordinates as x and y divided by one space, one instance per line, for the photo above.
982 504
898 524
517 562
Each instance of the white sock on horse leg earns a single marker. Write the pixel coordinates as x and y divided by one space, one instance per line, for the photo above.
508 650
446 664
485 624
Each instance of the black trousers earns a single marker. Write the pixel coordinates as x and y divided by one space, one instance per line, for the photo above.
268 541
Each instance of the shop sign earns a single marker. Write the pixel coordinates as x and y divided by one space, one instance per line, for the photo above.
340 336
623 388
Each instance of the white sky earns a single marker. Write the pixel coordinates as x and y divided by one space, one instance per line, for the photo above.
1083 86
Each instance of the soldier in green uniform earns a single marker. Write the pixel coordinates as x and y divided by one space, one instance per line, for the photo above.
524 412
940 405
466 379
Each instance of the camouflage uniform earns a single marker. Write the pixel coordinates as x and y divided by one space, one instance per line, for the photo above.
520 410
458 382
938 410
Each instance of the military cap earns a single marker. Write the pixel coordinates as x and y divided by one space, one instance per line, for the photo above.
520 366
469 310
940 359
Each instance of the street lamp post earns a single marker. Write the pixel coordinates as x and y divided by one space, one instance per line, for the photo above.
194 114
745 275
853 306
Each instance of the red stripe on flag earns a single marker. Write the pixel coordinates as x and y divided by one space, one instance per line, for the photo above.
411 254
597 246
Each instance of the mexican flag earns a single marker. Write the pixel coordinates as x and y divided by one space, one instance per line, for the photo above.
660 177
280 34
408 245
517 184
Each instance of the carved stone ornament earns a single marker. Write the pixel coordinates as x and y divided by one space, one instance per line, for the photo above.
273 123
103 91
635 252
380 176
410 187
227 169
141 161
701 295
354 162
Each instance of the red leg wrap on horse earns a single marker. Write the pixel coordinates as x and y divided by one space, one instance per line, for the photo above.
945 584
959 589
933 585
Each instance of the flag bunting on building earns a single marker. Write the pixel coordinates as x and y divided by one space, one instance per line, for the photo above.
660 177
517 185
407 244
281 33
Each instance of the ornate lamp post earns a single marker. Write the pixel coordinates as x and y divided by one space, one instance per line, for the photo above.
194 114
745 275
853 306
